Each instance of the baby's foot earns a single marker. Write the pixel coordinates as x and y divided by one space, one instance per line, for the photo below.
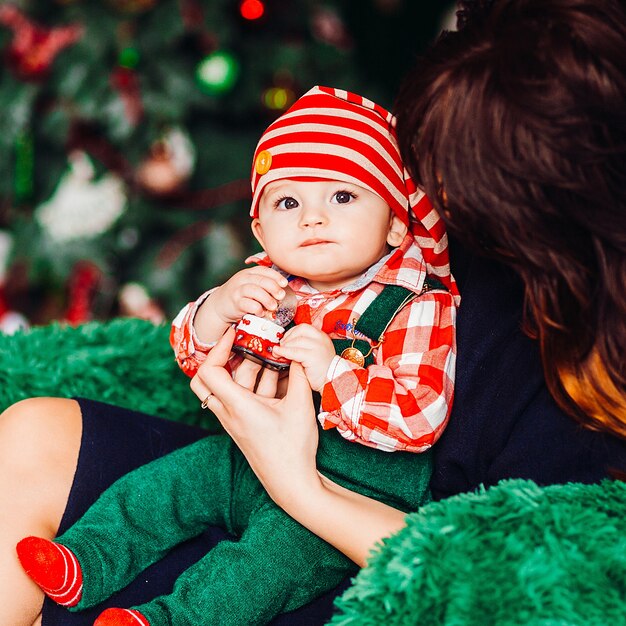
121 617
53 567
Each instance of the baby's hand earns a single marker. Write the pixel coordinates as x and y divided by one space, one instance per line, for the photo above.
310 347
255 290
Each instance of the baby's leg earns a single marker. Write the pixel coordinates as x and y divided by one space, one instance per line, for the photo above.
147 512
276 566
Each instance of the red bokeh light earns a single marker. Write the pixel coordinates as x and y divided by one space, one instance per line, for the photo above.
252 9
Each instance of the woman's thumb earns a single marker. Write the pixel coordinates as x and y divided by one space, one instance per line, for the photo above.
298 386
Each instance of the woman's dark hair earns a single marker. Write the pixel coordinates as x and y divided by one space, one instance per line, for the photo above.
515 126
469 10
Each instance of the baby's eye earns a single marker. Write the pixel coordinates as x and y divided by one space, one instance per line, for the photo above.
286 203
343 197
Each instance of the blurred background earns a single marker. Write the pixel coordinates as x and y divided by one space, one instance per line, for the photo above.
127 129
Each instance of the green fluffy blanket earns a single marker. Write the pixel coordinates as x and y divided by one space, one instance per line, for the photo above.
127 362
512 554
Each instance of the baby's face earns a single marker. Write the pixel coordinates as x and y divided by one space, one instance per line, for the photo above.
328 232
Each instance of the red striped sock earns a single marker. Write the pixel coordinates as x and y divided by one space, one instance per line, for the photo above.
53 567
121 617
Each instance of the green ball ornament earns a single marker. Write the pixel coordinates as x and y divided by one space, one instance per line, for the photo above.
217 73
128 58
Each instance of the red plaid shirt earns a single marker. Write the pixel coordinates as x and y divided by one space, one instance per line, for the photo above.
403 400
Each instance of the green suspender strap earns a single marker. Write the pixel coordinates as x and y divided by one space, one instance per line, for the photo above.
377 317
399 479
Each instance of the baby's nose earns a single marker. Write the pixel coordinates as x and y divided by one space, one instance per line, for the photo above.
313 217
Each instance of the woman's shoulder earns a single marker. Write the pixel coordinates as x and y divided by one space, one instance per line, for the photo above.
504 423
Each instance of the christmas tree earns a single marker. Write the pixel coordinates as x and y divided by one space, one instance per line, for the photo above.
128 128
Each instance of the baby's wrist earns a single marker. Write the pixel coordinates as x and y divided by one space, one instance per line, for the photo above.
209 322
321 375
220 309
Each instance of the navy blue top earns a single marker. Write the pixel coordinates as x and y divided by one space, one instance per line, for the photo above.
504 423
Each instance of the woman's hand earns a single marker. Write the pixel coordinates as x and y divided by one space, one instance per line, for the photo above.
277 436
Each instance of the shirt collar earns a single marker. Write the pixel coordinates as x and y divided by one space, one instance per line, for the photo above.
403 266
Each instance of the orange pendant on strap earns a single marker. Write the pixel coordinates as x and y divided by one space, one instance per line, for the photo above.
354 355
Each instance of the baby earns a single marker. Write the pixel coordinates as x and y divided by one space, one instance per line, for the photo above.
343 226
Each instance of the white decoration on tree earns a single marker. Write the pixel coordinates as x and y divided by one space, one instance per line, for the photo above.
81 207
6 246
182 151
10 321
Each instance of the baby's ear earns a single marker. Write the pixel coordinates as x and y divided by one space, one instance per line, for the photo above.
397 231
257 231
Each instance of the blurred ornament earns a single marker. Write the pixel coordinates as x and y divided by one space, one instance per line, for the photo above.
217 73
126 82
132 6
278 98
82 287
169 165
135 301
10 321
34 48
81 207
251 9
328 27
128 238
128 57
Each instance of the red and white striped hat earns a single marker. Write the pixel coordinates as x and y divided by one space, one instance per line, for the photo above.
332 134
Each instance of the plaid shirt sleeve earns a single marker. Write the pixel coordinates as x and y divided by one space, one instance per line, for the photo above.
189 351
403 400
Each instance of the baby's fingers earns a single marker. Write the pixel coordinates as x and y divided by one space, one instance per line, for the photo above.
255 299
266 278
298 350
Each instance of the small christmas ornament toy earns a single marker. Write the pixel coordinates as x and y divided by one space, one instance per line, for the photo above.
256 337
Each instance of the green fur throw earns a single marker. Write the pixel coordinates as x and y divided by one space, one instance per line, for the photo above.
513 554
127 362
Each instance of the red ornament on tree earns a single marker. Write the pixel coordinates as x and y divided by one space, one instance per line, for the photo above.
82 287
34 48
126 82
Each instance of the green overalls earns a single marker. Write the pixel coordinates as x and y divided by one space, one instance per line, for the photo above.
275 565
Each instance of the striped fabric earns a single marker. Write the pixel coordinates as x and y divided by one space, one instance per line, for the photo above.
332 134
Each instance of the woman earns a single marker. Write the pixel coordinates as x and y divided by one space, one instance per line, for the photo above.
503 185
516 128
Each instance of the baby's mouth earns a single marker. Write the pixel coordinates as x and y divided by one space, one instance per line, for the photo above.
314 242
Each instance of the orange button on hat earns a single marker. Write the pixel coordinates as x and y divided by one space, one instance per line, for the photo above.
263 162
